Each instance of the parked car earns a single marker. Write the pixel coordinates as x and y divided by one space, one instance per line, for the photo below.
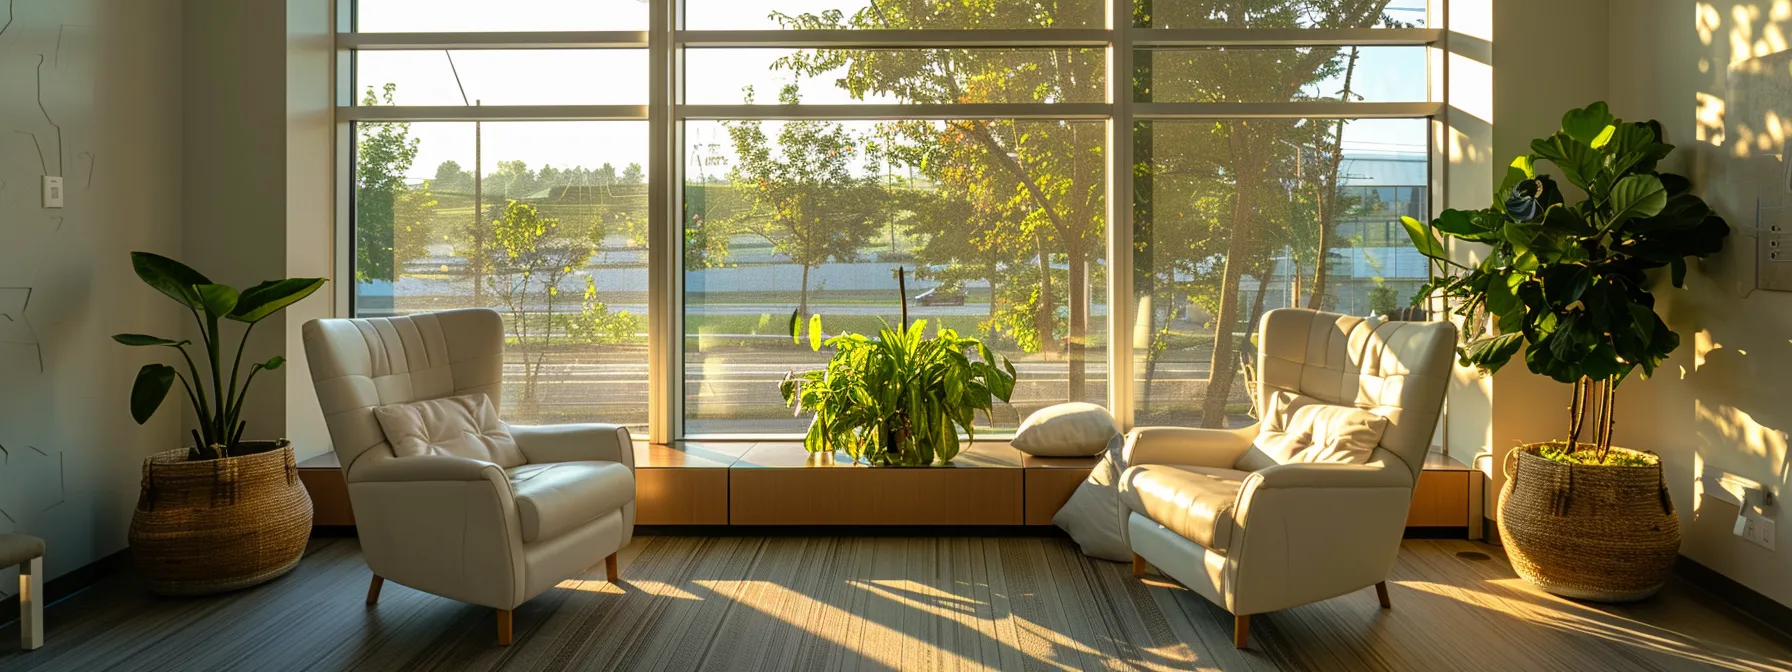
940 296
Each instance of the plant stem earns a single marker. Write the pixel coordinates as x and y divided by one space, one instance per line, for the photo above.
1575 411
233 399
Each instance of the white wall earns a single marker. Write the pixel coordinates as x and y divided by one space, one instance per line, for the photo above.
110 78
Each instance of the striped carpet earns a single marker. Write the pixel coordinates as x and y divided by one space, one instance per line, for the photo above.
891 603
787 603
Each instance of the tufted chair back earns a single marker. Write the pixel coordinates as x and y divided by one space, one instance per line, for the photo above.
1399 370
358 364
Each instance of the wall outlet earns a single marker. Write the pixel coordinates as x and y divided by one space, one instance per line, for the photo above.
52 191
1756 528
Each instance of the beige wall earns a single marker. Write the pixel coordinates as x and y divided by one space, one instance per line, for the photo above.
1720 405
1723 403
110 78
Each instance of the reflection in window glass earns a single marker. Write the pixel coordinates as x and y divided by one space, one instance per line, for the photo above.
1280 14
846 76
460 16
998 222
869 14
1230 218
542 221
1281 74
508 77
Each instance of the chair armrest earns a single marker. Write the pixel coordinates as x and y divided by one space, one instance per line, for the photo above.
1330 475
574 443
425 468
1190 446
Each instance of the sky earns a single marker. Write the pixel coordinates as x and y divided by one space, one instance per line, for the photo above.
715 76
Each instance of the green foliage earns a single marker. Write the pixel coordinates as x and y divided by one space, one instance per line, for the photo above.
808 201
218 405
383 154
900 398
1568 280
596 324
531 255
1383 300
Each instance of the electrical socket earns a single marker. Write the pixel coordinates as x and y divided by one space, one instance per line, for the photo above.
1756 528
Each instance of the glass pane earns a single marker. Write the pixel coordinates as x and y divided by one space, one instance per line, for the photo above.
999 223
870 14
1280 14
460 16
1281 74
1229 219
542 221
504 77
846 76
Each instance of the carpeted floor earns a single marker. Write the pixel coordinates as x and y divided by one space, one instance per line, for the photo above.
891 603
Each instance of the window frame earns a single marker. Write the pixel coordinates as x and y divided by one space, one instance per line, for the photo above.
665 41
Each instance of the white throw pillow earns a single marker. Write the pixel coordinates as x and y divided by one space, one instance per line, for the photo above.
1299 428
1094 517
1066 430
464 426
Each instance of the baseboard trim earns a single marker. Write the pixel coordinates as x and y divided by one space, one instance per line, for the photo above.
61 587
1763 608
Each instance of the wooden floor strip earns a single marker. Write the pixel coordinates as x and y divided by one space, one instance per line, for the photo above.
886 603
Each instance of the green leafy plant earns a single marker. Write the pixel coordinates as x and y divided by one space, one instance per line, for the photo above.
898 399
1566 283
219 405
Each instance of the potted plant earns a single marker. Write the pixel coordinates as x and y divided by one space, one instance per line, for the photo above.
1566 284
899 399
223 513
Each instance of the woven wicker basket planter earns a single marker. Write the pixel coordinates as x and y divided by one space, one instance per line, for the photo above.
1601 533
211 526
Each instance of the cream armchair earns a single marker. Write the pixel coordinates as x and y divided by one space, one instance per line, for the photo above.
1231 521
497 532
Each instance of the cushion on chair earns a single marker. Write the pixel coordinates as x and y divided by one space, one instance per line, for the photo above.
1094 516
464 426
557 497
1195 502
1075 429
17 548
1298 428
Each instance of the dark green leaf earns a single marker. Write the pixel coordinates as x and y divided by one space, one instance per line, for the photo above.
1585 124
1637 196
169 277
140 340
153 383
1422 239
796 325
217 300
267 298
1492 352
1579 163
274 363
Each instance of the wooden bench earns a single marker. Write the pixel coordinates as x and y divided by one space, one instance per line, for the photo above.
778 483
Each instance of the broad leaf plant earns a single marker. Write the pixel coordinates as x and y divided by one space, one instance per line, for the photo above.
219 404
1568 283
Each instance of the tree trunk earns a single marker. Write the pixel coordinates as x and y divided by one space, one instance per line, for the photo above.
1042 314
1223 367
1328 197
1079 320
802 306
478 231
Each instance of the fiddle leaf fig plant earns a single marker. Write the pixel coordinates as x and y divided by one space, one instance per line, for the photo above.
898 399
1566 282
219 404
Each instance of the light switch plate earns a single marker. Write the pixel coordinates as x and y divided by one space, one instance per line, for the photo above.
52 191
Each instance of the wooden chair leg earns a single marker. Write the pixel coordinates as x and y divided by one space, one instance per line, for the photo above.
1381 593
1241 631
503 627
31 603
1139 566
610 567
373 589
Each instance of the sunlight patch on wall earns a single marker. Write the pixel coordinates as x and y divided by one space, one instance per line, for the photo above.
1736 429
1708 119
1471 87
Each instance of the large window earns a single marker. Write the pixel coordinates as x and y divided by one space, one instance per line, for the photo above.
648 190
